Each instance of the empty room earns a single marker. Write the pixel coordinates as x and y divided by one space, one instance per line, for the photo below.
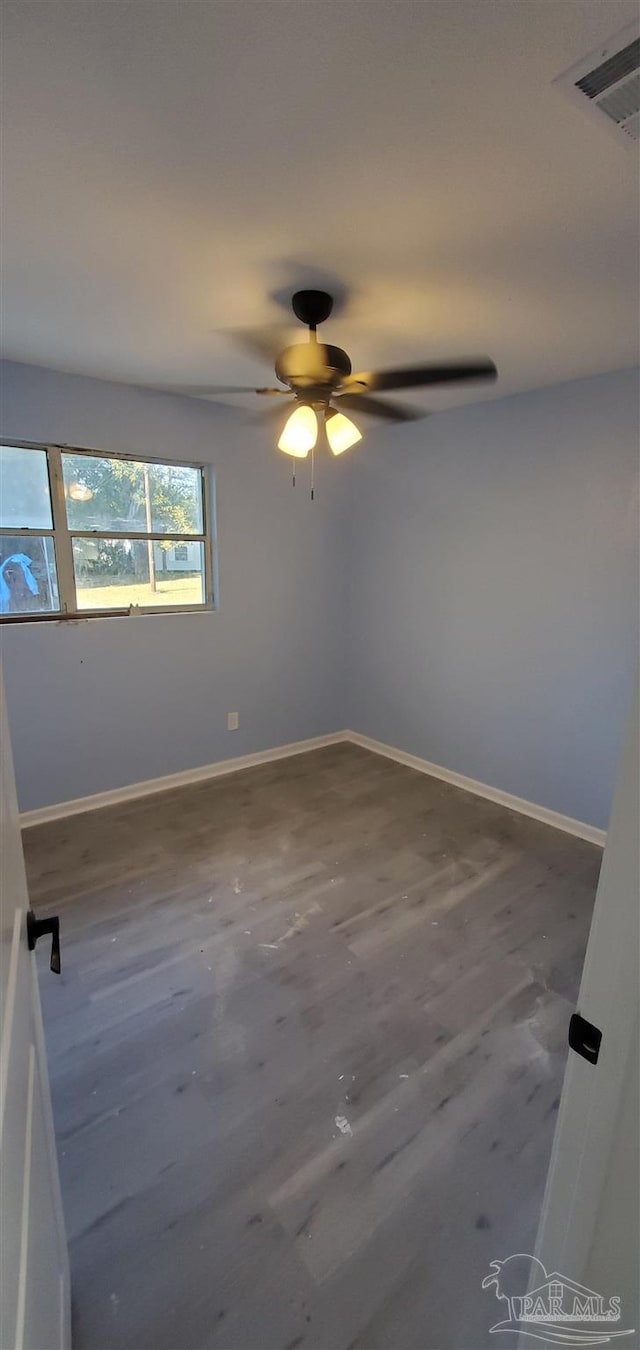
319 632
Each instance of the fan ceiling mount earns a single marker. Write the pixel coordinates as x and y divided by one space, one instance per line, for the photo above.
321 381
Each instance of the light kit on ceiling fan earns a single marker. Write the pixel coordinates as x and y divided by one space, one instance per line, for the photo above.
342 433
300 432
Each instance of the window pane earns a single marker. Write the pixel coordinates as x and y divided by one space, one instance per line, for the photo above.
120 495
28 580
116 573
176 499
25 503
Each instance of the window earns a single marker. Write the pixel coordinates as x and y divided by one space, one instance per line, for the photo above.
85 534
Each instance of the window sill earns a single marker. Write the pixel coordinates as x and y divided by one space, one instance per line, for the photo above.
86 616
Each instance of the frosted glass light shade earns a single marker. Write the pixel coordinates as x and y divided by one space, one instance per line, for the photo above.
341 433
300 432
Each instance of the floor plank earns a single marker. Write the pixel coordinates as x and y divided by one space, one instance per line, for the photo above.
306 1053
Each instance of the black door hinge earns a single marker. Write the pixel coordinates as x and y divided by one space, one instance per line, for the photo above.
37 928
584 1038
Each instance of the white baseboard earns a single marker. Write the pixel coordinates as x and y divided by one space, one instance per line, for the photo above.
149 786
519 804
224 766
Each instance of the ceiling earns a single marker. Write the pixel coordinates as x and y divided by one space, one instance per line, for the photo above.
176 168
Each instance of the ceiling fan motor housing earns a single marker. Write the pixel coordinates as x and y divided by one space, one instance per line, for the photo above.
313 365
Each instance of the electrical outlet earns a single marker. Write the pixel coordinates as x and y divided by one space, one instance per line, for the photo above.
233 721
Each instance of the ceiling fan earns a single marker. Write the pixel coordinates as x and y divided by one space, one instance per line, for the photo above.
320 378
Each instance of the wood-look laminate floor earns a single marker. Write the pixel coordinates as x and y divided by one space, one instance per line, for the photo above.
306 1054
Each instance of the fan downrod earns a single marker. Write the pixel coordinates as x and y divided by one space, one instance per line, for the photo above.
312 307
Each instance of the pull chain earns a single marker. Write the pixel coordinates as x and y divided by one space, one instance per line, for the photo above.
312 468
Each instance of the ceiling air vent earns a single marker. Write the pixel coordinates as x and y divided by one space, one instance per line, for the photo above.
607 83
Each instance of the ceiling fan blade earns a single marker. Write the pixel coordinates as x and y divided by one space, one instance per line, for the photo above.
274 412
215 390
265 343
411 377
212 390
380 407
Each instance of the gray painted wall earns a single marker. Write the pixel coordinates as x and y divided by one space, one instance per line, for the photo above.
463 588
494 607
105 702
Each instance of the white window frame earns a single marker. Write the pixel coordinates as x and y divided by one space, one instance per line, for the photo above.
63 538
